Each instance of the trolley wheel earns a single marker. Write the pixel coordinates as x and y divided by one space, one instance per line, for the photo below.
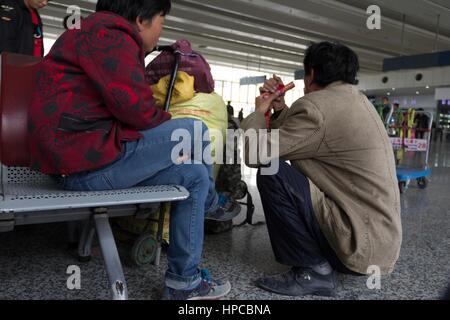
402 186
422 183
144 250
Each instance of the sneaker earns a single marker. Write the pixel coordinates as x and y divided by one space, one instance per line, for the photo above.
208 289
228 210
300 282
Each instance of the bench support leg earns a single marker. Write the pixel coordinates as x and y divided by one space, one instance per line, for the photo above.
111 257
159 234
85 244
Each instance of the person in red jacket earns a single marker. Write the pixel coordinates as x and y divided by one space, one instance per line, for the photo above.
94 125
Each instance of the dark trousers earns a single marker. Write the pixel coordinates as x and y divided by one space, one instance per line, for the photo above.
294 232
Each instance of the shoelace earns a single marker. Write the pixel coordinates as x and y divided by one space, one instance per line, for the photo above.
302 274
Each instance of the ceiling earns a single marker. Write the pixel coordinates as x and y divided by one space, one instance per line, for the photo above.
273 35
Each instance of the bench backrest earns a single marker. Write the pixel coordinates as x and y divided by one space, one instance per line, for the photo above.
18 76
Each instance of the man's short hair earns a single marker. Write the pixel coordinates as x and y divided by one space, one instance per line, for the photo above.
132 9
331 62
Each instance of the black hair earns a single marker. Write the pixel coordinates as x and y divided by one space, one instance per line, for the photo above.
331 62
132 9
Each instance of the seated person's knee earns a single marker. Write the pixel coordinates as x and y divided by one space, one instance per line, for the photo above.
194 174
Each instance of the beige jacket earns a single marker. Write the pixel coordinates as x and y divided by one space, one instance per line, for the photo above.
336 138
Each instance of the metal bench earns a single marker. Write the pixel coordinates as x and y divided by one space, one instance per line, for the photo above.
28 197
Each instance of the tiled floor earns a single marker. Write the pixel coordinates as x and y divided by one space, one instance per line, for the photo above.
34 259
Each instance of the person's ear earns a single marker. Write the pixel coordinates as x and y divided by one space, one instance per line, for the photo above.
312 76
139 24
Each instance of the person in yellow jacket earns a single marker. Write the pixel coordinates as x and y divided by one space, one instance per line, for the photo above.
206 107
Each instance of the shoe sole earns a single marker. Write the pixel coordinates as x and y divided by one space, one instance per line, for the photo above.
320 293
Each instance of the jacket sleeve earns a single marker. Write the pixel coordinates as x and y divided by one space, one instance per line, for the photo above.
111 58
299 135
278 118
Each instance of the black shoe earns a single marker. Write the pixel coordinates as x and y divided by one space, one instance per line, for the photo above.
300 282
228 211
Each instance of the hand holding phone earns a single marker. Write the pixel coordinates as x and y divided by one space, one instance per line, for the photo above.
264 102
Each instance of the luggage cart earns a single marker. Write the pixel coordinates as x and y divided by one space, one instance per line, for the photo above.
406 174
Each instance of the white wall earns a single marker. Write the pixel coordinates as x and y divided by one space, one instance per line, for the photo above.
404 79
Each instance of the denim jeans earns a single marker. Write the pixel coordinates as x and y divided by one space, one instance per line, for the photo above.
148 162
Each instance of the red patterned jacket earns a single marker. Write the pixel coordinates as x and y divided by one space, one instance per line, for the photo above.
91 96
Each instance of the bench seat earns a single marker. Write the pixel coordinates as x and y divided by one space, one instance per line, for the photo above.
19 198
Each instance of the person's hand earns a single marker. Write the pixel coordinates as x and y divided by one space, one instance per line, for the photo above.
279 104
271 86
264 103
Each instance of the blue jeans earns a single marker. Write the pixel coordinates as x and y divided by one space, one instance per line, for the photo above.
147 162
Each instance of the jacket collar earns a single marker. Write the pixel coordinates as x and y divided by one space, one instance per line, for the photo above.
335 84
